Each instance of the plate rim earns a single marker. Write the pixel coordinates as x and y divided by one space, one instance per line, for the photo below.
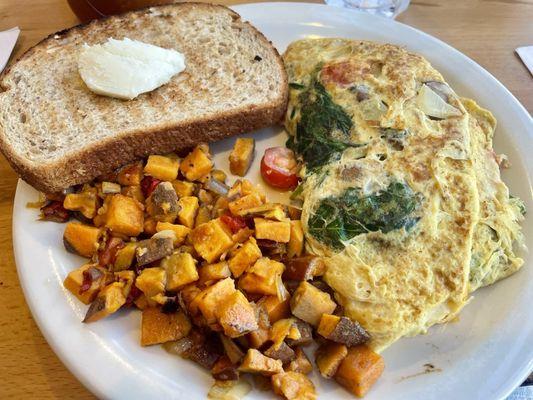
93 385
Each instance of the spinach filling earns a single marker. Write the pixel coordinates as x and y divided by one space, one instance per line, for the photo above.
320 119
339 219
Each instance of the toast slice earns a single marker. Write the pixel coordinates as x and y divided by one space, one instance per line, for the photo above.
56 133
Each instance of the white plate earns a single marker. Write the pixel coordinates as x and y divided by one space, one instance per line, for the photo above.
484 355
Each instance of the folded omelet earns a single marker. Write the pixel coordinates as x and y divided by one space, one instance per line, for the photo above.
402 192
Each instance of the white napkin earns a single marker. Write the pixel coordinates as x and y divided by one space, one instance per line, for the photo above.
526 54
7 43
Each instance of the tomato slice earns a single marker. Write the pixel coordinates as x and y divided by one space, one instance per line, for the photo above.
279 168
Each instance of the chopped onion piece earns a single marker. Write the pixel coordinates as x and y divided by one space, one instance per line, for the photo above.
229 390
434 106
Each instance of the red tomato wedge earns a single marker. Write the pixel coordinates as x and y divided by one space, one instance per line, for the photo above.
279 168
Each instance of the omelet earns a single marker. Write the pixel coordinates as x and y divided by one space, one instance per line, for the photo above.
401 189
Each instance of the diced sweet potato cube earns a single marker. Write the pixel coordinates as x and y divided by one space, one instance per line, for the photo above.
213 272
245 202
183 188
245 256
328 358
81 239
293 386
135 192
124 257
261 335
85 201
202 216
158 327
342 330
196 165
124 215
296 242
150 226
188 295
162 204
128 277
282 329
164 168
241 156
153 249
225 370
219 175
295 213
277 231
309 303
359 370
94 280
276 309
152 281
130 175
304 268
236 315
211 239
282 352
109 300
189 207
181 270
300 363
256 363
248 187
220 206
210 298
180 231
262 277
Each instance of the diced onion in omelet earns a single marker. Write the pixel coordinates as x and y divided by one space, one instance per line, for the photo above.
432 104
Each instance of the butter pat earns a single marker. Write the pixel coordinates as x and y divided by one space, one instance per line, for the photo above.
126 68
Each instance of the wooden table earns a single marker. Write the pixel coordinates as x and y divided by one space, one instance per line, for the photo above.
488 31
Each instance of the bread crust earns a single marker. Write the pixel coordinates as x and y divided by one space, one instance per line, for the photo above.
105 156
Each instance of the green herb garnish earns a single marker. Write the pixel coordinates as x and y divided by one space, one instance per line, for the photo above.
339 219
320 119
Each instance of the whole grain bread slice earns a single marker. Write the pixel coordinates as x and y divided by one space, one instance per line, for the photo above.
56 133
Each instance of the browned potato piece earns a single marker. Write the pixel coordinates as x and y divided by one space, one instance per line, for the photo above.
124 257
158 327
241 156
150 226
359 370
295 213
92 275
282 352
277 231
231 349
244 203
130 175
153 249
275 308
256 363
342 330
211 239
260 336
135 192
301 363
262 277
180 231
85 201
162 204
109 300
213 272
181 270
309 303
197 164
304 268
295 246
305 334
224 370
283 329
164 168
236 315
202 216
124 215
244 256
210 298
81 239
293 386
328 358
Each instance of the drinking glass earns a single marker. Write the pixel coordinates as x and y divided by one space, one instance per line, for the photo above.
387 8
